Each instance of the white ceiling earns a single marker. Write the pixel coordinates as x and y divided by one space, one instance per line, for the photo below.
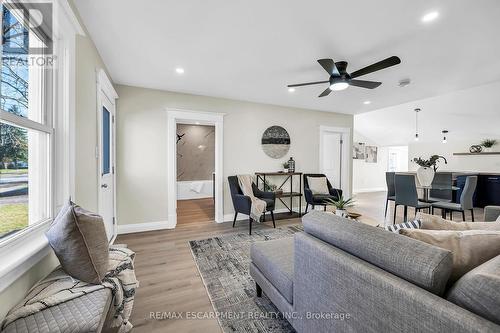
469 115
250 50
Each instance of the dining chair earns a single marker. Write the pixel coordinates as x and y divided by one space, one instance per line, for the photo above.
406 195
391 191
466 202
445 180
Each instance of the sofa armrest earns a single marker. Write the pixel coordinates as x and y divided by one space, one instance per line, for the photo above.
491 213
334 291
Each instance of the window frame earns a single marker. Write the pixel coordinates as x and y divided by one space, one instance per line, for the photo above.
27 247
44 126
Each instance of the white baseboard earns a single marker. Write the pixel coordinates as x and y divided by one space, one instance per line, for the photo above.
373 189
142 227
230 217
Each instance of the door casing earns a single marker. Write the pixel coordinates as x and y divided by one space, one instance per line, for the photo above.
106 97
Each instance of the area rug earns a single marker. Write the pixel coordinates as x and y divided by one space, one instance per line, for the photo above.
223 263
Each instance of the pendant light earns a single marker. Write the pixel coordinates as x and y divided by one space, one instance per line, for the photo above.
445 132
416 124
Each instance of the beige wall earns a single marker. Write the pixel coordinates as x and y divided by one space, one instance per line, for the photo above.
87 61
142 144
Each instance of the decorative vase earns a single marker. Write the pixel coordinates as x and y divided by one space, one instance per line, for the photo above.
425 176
291 165
285 170
487 149
340 212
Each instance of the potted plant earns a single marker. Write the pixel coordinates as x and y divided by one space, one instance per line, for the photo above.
488 144
341 204
427 168
268 187
286 165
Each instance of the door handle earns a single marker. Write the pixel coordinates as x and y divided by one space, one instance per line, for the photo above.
104 185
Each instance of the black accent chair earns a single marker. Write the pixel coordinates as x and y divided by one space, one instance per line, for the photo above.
242 203
319 199
391 190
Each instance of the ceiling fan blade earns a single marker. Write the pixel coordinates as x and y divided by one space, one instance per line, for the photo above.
365 84
306 84
391 61
326 92
329 66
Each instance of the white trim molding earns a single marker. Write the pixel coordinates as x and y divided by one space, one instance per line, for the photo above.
175 116
143 227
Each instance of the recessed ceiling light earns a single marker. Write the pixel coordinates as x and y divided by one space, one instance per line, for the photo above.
367 102
179 70
291 89
430 17
197 123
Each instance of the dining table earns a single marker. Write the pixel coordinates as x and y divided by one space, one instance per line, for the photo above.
426 190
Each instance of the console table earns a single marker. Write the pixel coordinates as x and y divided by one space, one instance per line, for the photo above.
290 193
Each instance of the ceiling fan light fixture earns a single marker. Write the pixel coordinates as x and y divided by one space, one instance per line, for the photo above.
337 86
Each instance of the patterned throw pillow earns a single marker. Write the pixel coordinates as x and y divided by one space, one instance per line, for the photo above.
415 224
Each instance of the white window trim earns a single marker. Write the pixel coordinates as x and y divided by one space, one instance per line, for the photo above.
23 250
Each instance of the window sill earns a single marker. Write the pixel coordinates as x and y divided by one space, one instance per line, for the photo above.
21 252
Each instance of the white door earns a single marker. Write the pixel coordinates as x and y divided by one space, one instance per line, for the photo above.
106 164
332 158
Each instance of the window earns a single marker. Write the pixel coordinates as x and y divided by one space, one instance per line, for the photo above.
25 125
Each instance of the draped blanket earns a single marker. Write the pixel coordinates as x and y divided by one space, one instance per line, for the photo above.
58 287
258 206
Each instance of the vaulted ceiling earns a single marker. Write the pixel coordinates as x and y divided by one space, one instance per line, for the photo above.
250 50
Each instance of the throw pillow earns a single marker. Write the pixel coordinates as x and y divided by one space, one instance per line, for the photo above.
415 224
78 238
318 185
470 248
434 222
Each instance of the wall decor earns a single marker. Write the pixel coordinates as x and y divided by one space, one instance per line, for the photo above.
358 151
275 142
476 149
371 154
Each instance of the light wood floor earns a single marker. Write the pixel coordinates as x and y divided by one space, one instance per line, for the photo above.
195 211
169 279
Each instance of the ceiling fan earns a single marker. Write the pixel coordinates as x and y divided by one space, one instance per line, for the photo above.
340 79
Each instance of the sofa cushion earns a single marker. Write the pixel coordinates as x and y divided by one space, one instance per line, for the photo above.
470 248
274 259
477 291
78 238
415 224
425 265
434 222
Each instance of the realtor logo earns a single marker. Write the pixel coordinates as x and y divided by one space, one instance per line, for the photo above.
27 28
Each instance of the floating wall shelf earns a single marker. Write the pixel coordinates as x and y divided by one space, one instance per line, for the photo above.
485 153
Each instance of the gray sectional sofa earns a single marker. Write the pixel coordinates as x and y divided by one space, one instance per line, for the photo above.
344 276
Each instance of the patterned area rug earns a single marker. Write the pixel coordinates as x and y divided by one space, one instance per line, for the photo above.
223 263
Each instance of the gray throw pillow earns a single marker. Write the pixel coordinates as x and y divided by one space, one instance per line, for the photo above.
78 238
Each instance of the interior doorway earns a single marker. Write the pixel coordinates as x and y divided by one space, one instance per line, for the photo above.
106 109
334 156
200 187
195 173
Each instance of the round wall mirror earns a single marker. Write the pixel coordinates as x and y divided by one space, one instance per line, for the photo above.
275 142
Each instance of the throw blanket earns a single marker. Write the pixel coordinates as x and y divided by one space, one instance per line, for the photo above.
258 206
58 287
